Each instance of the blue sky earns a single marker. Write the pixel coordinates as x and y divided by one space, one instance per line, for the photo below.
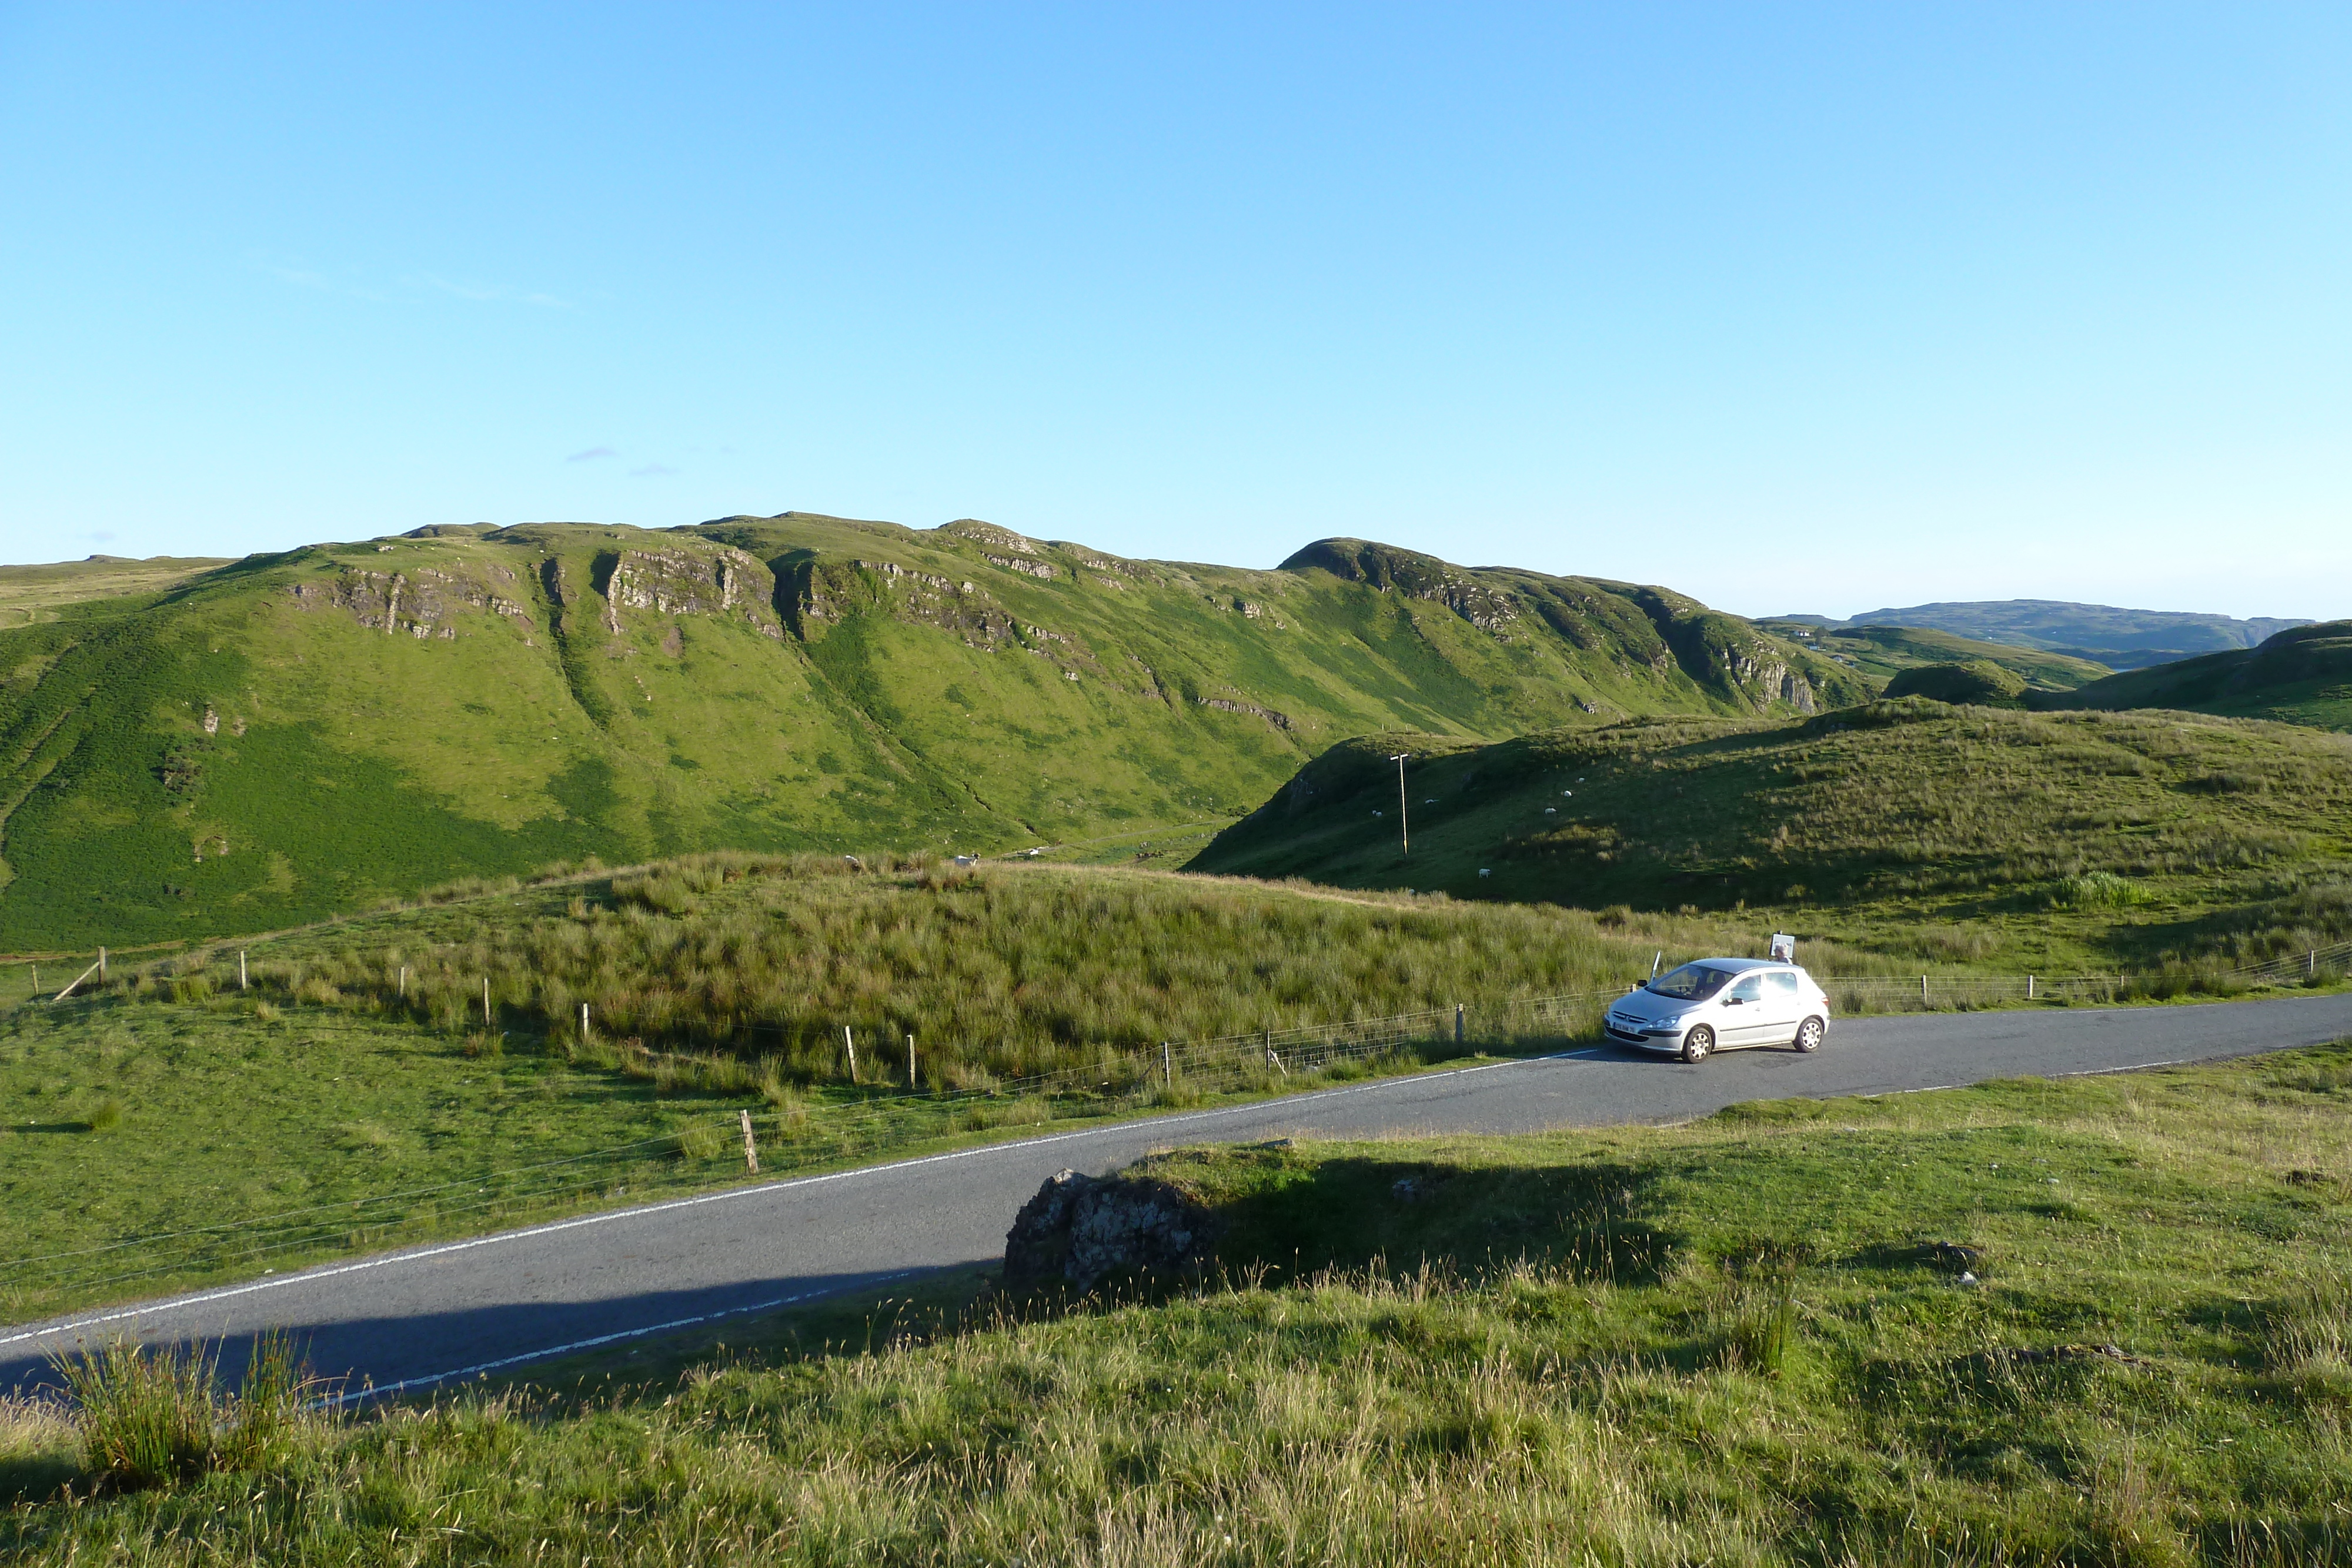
1791 308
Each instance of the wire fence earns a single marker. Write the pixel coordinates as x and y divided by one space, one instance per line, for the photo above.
799 1136
2318 964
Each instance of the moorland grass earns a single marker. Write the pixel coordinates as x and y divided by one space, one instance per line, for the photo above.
999 972
2095 1322
2216 841
323 1112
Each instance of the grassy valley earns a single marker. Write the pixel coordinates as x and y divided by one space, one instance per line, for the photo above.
2101 1321
1883 653
2049 842
296 736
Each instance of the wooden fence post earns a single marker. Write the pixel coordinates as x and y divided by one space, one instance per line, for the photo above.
240 969
1167 1067
910 1063
101 965
485 1001
751 1149
1459 1034
583 1023
1922 991
849 1043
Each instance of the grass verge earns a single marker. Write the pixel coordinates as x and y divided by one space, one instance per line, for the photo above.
2095 1320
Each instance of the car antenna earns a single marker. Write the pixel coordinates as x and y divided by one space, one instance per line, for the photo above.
1655 962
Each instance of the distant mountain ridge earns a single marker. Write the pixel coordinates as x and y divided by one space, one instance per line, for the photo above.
2121 639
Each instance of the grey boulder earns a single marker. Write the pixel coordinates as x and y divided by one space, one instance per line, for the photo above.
1080 1230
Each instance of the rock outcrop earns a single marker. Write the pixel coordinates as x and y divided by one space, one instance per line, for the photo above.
1080 1230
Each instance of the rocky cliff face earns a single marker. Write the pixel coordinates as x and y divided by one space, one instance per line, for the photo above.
423 602
674 580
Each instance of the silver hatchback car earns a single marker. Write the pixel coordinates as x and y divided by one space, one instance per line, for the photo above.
1722 1004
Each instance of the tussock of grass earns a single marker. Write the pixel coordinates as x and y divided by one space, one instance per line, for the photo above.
1744 1341
157 1417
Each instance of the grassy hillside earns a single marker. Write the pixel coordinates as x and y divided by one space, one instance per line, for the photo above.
2098 1321
2300 676
31 593
2032 842
2121 639
295 734
1882 653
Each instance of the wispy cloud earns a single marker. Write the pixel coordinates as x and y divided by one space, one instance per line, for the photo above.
651 471
348 285
320 283
484 293
593 453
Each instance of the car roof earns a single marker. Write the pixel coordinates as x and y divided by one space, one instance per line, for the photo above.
1741 965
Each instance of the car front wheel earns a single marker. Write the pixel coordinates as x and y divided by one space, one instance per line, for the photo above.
1809 1033
1697 1043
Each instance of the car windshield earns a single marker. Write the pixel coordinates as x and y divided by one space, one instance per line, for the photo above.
1691 983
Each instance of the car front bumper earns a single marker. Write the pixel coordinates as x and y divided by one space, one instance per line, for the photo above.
1669 1040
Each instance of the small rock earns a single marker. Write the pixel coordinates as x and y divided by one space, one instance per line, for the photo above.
1405 1189
1950 1254
1968 1279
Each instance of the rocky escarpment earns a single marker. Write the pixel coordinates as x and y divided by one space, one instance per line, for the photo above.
676 582
422 603
1412 574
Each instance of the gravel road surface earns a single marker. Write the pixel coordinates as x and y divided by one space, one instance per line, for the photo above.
429 1315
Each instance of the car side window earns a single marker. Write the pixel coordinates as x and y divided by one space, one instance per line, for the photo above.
1750 989
1782 981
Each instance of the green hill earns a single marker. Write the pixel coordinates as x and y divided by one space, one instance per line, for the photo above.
1882 653
2303 675
1978 681
296 734
2058 839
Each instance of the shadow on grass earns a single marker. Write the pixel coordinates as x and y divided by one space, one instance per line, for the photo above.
1286 1218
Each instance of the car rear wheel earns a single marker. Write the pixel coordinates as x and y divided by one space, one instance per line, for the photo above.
1809 1033
1697 1043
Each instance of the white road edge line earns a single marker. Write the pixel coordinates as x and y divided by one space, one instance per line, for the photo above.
444 1249
478 1369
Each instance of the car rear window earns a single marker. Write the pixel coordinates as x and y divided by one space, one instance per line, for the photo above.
1782 981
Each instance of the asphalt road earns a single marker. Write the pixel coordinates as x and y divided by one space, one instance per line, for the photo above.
430 1315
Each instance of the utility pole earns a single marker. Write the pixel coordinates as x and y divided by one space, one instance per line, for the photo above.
1404 827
